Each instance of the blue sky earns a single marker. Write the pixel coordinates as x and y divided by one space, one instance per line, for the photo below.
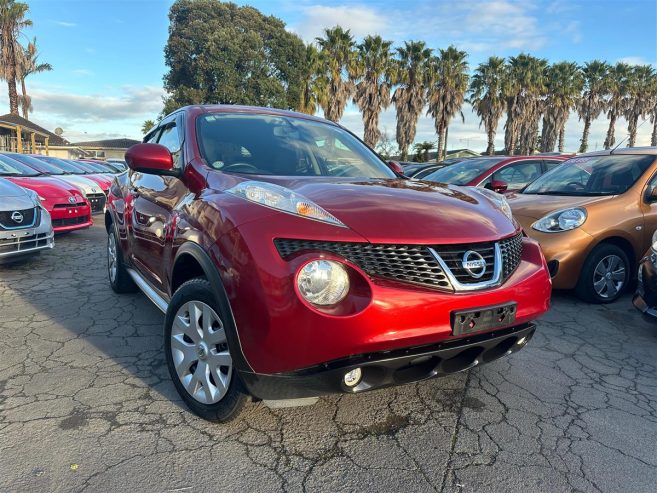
108 55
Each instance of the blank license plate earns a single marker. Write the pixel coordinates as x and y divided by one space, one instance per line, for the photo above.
491 317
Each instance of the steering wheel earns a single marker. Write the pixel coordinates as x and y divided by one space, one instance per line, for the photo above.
242 167
575 185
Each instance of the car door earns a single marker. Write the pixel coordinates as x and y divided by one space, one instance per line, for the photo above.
649 209
153 201
519 174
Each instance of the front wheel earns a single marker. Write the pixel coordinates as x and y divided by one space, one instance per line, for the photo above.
604 276
198 356
119 278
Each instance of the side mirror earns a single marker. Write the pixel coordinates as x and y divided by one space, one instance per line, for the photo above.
499 186
154 159
651 195
396 167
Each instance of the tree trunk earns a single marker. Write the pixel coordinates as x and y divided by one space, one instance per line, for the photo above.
445 143
609 139
490 150
25 103
585 136
562 132
8 41
439 146
631 128
653 137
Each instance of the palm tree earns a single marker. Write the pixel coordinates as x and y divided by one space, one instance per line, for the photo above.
410 95
592 102
374 69
422 151
12 21
617 90
337 52
653 111
564 87
487 96
146 126
523 88
28 64
449 83
313 84
638 98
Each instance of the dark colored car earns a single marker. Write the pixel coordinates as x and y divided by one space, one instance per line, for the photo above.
502 174
292 262
645 297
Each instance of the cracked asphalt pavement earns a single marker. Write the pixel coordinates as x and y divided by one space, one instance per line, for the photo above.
86 404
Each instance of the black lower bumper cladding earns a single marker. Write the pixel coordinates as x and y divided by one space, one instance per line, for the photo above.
645 298
384 369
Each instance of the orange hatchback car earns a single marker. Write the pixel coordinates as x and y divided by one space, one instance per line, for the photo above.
593 216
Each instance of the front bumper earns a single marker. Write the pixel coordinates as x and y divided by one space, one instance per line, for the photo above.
388 368
70 217
21 242
645 297
565 252
280 333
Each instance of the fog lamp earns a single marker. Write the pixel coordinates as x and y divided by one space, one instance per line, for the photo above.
323 282
352 378
521 341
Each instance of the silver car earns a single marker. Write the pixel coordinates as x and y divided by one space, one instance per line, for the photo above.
25 226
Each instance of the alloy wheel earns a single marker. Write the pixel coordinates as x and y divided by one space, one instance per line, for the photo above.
609 276
111 257
200 354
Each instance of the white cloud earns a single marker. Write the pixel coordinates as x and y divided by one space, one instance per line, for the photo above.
360 20
82 72
65 23
133 102
635 60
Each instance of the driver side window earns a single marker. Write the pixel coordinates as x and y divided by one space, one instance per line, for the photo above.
170 139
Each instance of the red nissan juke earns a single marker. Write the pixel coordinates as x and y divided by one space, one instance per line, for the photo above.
290 261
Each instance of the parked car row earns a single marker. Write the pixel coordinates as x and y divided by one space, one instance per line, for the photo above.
68 194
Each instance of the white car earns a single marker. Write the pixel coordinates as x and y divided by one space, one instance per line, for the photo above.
25 226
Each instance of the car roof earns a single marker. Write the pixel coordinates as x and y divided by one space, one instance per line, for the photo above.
623 150
259 110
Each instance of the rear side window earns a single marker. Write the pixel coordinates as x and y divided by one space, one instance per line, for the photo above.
549 165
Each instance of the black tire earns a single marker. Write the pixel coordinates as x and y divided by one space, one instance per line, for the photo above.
585 288
232 402
122 282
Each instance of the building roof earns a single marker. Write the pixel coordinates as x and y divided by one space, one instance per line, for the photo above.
54 139
108 143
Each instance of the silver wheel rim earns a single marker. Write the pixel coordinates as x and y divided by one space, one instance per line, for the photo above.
200 352
609 276
111 257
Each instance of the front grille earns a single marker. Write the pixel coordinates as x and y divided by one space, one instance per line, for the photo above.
66 206
452 255
406 263
415 263
511 250
29 218
13 245
69 221
97 201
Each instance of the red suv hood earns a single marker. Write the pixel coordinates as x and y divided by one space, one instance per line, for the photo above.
45 186
405 211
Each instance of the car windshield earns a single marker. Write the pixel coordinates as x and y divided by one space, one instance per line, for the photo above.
463 172
10 167
284 146
63 165
593 175
37 164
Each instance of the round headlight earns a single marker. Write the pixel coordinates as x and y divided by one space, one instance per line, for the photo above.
323 282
